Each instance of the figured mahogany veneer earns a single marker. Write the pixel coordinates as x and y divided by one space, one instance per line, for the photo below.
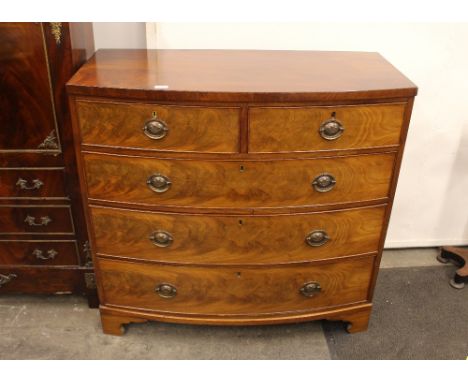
268 239
289 129
190 128
38 171
231 184
235 290
221 220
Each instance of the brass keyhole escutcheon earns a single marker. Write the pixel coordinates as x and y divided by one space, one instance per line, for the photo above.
241 168
241 222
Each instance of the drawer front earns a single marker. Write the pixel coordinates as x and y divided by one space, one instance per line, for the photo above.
32 183
212 239
230 184
274 129
40 280
38 252
35 220
180 128
234 290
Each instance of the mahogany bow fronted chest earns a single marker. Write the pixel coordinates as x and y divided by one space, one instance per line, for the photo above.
238 187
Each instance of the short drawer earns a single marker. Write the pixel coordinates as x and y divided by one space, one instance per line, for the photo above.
231 184
38 252
50 220
32 183
159 127
205 239
290 129
235 290
41 280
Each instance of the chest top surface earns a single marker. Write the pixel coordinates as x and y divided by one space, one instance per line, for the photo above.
240 76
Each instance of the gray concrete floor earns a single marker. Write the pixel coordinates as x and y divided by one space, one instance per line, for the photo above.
62 327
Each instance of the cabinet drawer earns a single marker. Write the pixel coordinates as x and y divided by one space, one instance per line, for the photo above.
199 239
180 128
280 183
41 280
234 290
289 129
32 183
38 252
35 220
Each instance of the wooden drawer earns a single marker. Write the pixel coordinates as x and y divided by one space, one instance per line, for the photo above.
38 252
41 280
203 239
35 220
288 129
235 290
231 184
190 128
32 183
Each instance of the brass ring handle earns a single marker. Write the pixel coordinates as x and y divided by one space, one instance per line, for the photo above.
331 129
161 238
155 128
310 289
5 279
158 183
317 238
166 290
39 254
324 182
23 184
32 221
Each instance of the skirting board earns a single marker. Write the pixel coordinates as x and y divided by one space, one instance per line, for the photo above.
424 243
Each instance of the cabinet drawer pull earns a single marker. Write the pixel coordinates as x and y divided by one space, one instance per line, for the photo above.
161 238
155 128
5 279
23 184
317 238
158 183
310 289
324 182
331 129
32 221
166 290
39 254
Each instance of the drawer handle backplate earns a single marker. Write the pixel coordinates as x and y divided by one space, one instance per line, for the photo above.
31 220
311 289
5 279
158 183
39 254
324 182
161 238
331 129
166 290
36 184
155 128
317 238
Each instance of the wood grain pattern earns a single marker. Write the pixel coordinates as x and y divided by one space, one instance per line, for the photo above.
240 76
53 183
113 319
235 290
208 184
286 129
27 113
12 220
191 128
25 252
201 239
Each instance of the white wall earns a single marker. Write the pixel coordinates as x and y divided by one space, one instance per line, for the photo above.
431 205
119 35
